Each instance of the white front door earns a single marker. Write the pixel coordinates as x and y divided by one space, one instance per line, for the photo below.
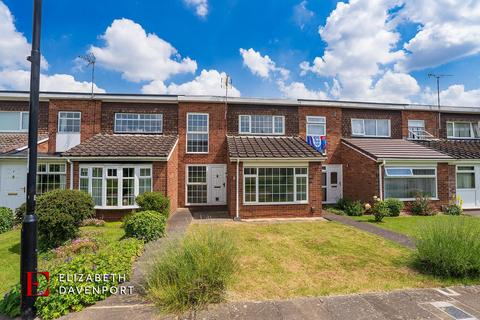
468 185
13 182
332 183
217 185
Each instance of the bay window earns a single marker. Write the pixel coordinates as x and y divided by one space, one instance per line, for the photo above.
197 133
462 130
406 183
275 185
371 127
115 186
51 176
261 124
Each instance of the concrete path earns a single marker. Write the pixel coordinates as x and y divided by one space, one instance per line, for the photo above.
368 227
133 306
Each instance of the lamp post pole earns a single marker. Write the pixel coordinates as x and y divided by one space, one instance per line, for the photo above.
28 262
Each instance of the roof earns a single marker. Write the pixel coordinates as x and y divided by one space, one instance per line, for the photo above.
12 141
270 147
124 145
458 149
394 149
162 98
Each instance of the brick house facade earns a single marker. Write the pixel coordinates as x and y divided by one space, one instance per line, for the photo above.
248 156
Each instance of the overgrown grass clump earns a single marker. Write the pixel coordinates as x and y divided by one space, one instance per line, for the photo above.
449 247
194 272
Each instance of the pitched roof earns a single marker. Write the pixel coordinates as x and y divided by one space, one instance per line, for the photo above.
12 141
124 145
270 147
394 149
458 149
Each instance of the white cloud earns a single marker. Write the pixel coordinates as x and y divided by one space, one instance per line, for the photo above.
260 65
449 30
200 6
207 83
301 14
394 87
455 95
139 56
298 90
20 80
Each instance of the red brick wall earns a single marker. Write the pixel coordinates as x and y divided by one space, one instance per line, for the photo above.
289 112
360 175
394 116
430 118
172 180
90 118
334 128
313 208
169 111
217 140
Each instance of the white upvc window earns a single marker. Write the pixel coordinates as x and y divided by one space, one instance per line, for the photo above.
261 124
115 186
197 186
138 122
197 132
462 130
416 128
371 127
405 183
275 185
13 121
316 126
51 176
466 177
69 122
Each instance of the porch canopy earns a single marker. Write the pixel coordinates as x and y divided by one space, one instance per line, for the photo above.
394 149
271 148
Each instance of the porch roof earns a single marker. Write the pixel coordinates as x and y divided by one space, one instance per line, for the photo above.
457 149
124 145
394 149
268 147
10 142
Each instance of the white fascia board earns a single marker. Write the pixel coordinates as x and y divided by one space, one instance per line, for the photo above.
396 161
104 159
277 160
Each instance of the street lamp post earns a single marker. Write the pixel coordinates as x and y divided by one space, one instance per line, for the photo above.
28 263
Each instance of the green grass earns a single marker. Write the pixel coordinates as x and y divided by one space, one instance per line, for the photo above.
408 225
10 251
285 260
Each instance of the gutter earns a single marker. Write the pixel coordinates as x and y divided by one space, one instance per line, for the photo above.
310 159
135 159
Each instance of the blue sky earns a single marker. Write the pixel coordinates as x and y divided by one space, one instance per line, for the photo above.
375 50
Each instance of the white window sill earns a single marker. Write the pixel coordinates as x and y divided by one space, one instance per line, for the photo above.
273 203
116 207
412 199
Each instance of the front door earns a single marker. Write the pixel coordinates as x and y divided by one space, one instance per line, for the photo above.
332 183
468 185
217 185
13 182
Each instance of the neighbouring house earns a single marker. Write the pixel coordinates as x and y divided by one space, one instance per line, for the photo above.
247 156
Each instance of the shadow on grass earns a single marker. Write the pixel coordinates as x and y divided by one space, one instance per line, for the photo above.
15 248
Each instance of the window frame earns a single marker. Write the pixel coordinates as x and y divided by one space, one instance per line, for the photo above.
137 119
49 172
473 170
119 177
472 130
295 175
187 183
364 134
69 132
411 168
249 132
20 121
309 121
198 132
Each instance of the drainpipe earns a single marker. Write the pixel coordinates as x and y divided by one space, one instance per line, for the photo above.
380 184
237 205
71 173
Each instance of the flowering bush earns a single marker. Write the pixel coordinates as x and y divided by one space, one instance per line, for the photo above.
93 222
76 246
454 208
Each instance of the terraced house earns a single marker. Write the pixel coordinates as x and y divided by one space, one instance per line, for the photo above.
249 157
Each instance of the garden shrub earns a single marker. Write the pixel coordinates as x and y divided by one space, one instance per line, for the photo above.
10 305
450 247
193 273
20 212
354 208
93 222
395 206
60 215
422 206
77 246
153 201
6 219
145 225
380 210
343 203
454 208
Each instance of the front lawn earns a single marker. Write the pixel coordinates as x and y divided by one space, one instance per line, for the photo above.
10 251
284 260
407 225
